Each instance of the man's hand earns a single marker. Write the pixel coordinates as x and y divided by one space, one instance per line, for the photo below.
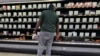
34 31
57 37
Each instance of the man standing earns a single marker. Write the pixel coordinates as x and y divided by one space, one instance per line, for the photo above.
48 23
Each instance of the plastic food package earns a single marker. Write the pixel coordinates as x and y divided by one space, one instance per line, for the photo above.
24 13
39 6
8 7
4 7
29 19
19 13
5 32
23 7
70 26
29 26
19 19
91 19
1 25
63 33
24 19
65 26
30 6
17 7
81 34
60 19
74 34
66 20
87 12
11 20
90 26
14 32
75 12
34 13
39 13
84 19
97 19
34 6
29 13
70 34
58 4
58 12
13 7
19 26
18 32
87 34
6 20
48 5
97 12
70 13
83 26
9 13
76 26
71 19
5 14
93 34
23 26
10 26
14 13
34 20
5 26
95 26
14 26
77 19
43 5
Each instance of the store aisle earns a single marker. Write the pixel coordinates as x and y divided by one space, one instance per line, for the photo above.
18 54
15 54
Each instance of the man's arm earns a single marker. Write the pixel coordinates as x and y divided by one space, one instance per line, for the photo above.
57 29
38 22
57 32
37 25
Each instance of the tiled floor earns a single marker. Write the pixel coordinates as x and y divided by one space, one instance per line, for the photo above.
18 54
15 54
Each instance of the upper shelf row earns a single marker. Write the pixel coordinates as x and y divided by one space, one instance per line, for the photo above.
58 5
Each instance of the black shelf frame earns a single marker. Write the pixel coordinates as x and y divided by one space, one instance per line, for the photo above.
58 9
41 9
36 16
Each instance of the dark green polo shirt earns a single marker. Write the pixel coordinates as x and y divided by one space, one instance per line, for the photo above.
49 21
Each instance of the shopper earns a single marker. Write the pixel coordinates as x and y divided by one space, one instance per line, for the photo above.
48 23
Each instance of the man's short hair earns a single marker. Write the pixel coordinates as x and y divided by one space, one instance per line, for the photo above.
51 7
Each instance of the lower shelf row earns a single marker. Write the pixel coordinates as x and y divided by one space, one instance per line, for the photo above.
68 34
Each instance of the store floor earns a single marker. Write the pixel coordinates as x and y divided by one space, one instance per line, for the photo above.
18 54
